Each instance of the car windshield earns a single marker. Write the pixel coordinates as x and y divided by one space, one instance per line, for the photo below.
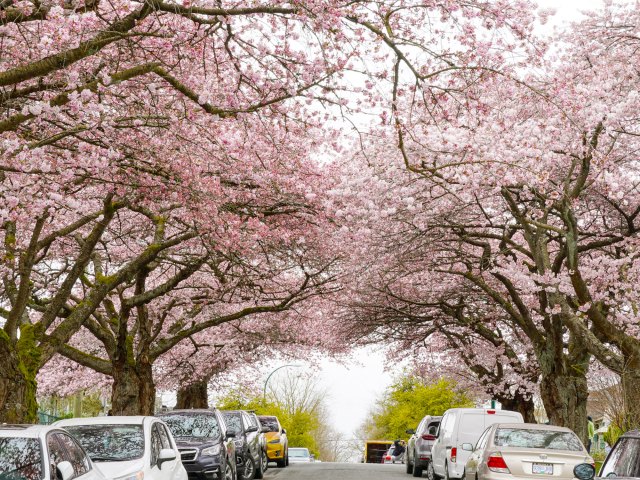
533 438
271 423
191 425
110 443
624 459
234 421
298 452
20 459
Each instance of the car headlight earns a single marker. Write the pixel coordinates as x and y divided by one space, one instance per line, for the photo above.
210 451
132 476
277 440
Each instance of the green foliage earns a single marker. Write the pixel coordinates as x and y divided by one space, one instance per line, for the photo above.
300 422
612 434
408 400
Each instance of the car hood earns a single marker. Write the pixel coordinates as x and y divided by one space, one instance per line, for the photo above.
272 436
120 469
192 442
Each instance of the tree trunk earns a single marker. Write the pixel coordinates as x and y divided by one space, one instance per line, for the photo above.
565 400
520 403
193 395
630 379
133 391
18 402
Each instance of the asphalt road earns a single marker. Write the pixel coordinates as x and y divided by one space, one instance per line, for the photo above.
337 471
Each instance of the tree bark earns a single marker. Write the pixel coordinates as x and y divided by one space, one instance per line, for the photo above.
564 395
630 379
18 402
133 391
520 403
193 395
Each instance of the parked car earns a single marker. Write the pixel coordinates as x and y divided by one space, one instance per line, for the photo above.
458 426
525 450
420 443
277 443
624 458
128 448
208 451
263 439
390 456
300 455
36 452
247 440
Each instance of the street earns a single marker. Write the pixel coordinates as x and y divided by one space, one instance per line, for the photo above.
342 471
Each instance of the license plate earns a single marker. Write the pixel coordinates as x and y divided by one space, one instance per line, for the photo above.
543 468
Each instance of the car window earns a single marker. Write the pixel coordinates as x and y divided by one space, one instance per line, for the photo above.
164 436
245 421
20 458
623 460
74 454
234 421
254 420
534 438
421 425
482 441
446 427
432 427
156 444
110 443
271 423
56 454
192 425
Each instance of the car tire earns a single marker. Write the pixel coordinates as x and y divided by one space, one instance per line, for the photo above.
431 474
259 468
286 459
408 465
248 469
416 471
265 462
281 463
228 472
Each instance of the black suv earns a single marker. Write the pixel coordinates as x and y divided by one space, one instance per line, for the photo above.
249 451
205 442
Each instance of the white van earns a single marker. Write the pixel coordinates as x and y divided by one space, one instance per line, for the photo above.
458 426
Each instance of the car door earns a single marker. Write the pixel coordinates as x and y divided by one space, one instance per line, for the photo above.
439 450
159 441
252 436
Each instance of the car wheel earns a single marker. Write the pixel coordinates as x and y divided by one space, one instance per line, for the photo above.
431 474
228 472
259 468
408 465
281 463
416 470
265 462
286 459
446 471
248 469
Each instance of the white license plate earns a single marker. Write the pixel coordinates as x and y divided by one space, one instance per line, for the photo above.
543 468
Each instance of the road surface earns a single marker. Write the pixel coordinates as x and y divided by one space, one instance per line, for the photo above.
337 471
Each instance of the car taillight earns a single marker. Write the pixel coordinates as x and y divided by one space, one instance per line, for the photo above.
454 454
388 457
496 463
491 412
426 436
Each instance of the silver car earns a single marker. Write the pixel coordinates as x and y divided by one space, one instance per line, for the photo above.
419 446
525 450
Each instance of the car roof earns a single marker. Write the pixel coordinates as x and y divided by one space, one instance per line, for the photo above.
192 411
24 431
109 420
533 426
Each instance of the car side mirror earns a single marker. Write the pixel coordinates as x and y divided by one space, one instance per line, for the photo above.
265 430
64 470
467 447
410 431
284 431
252 429
166 455
231 434
584 471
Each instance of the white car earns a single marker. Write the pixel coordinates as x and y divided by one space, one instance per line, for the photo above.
36 452
459 426
300 455
128 448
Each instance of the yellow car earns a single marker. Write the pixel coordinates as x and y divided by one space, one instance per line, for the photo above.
276 437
